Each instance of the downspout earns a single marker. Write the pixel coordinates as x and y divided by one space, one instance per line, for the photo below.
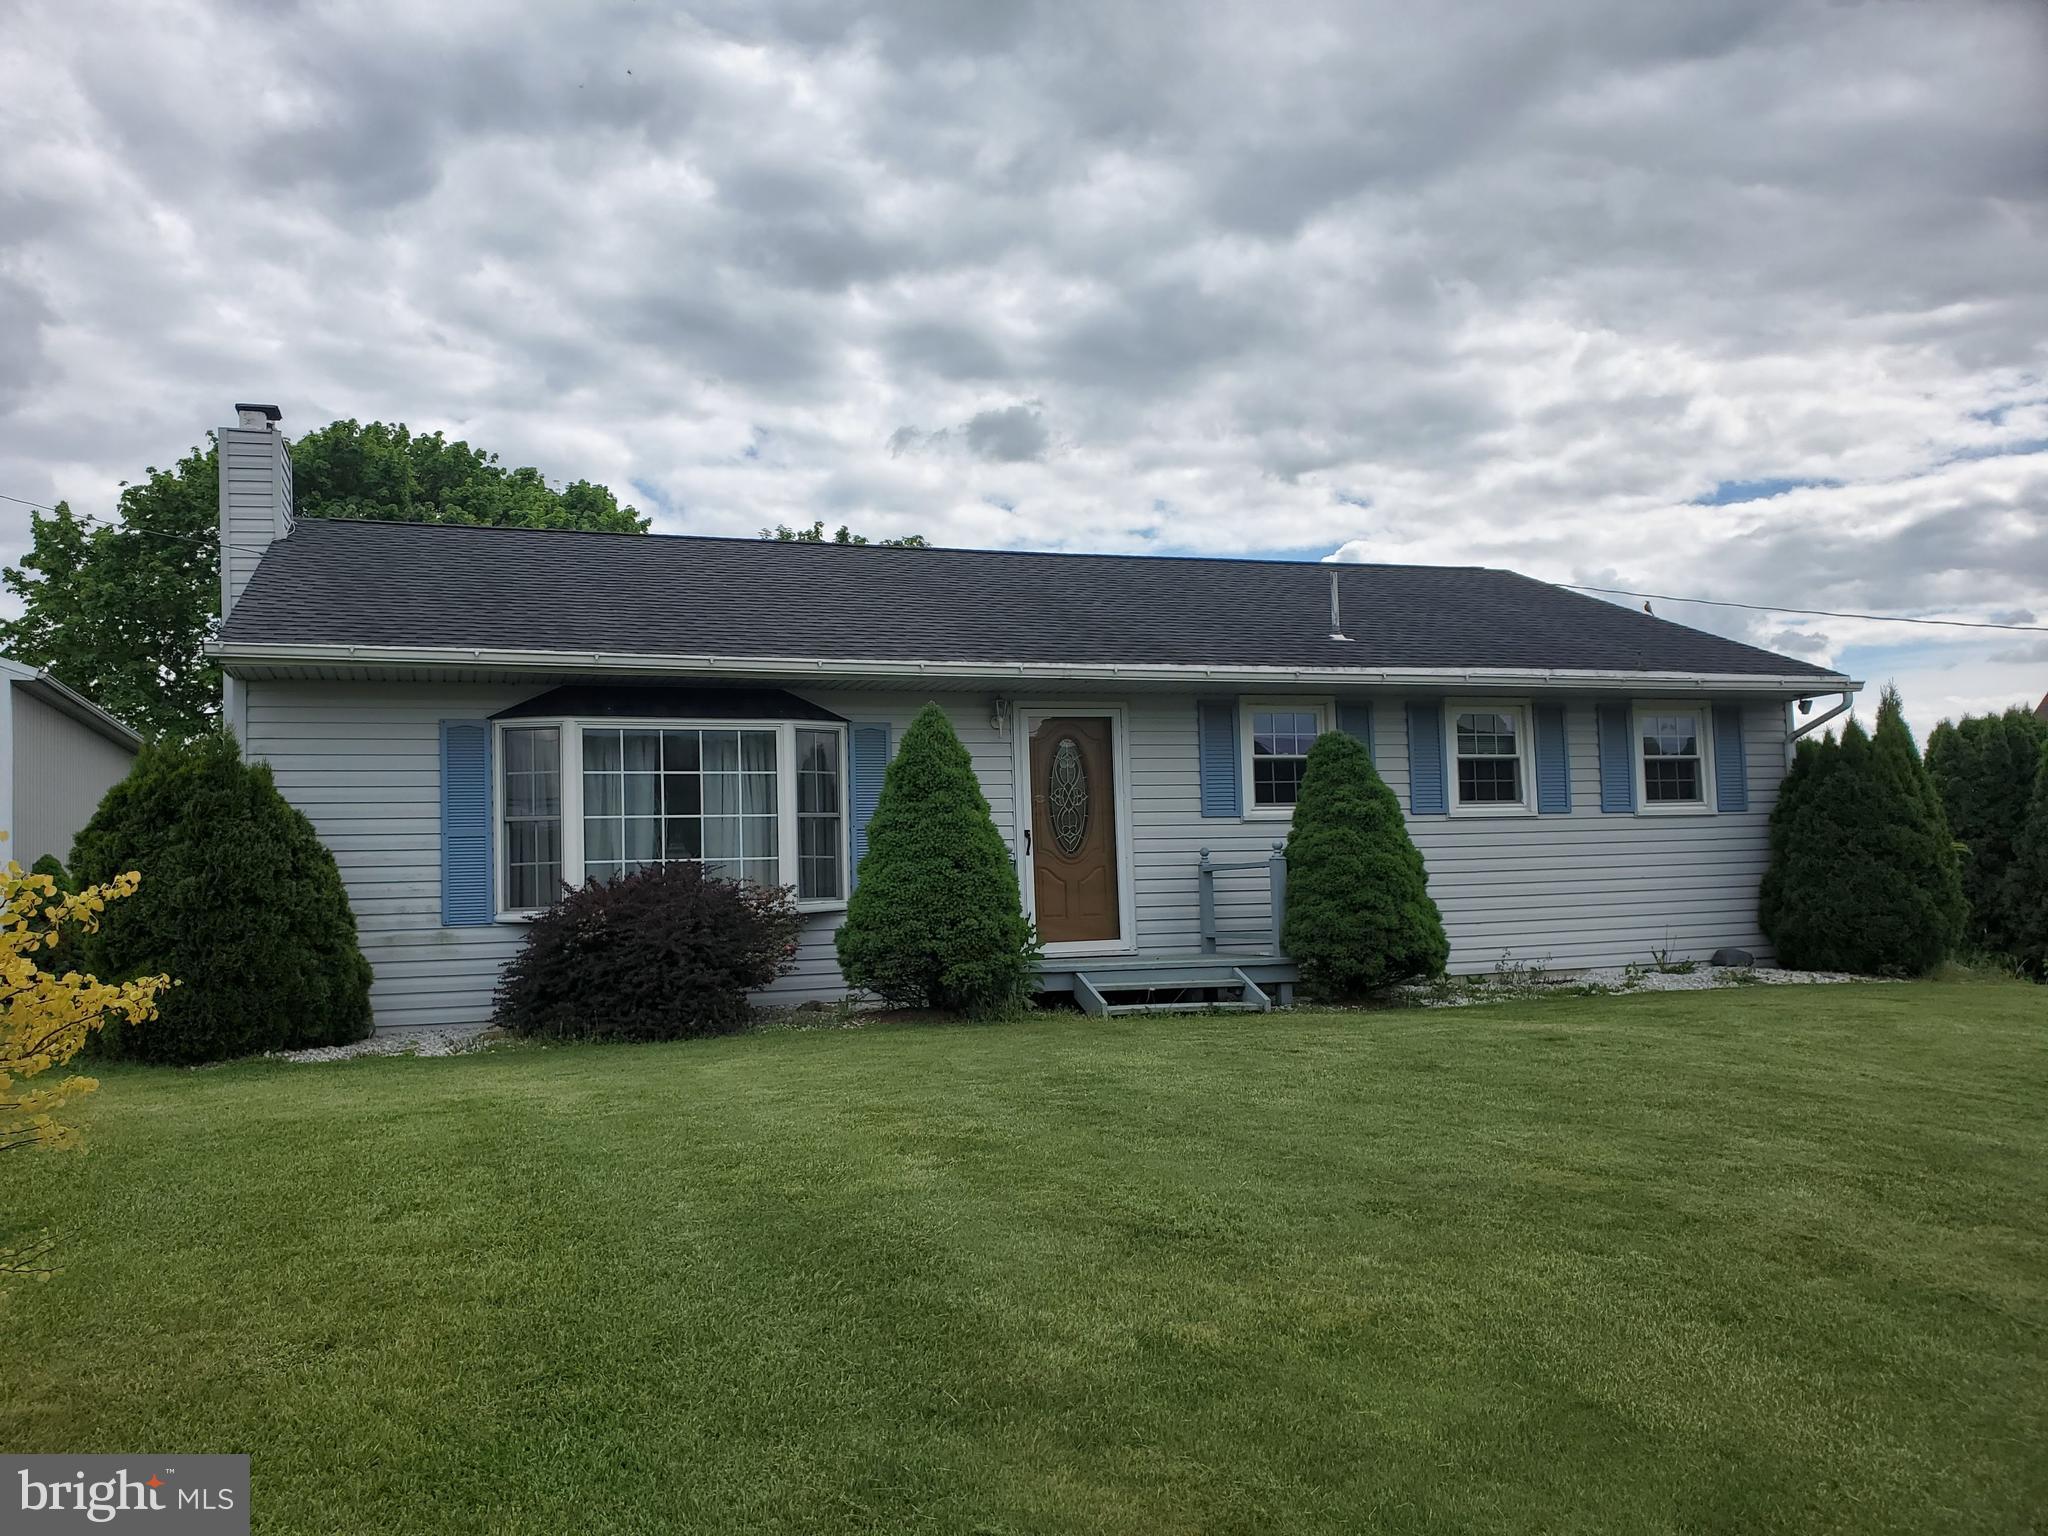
1815 724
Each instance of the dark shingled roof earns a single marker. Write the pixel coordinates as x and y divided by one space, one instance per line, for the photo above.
436 585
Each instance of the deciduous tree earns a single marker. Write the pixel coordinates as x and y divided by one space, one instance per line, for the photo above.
121 610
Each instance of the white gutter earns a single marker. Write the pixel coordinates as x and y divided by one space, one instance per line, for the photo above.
798 667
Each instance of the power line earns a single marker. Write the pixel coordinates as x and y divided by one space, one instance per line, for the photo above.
1817 613
101 522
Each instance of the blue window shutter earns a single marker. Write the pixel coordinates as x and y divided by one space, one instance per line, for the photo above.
1617 760
1731 766
1216 750
1426 792
870 763
1553 761
466 895
1355 719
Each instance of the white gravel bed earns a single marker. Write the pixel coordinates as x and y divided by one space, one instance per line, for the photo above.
421 1040
1463 992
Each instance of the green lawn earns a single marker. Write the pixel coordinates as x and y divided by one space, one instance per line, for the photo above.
1765 1259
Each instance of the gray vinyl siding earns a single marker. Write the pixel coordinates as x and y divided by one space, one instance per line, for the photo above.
255 503
62 770
1569 891
362 760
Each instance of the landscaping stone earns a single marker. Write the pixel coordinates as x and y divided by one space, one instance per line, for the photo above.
422 1040
1463 992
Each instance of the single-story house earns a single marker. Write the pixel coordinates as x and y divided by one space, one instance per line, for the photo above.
472 716
59 755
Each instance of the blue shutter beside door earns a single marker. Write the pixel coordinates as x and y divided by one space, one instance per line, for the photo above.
1617 760
1731 766
1216 753
1355 719
870 751
1553 762
466 897
1426 792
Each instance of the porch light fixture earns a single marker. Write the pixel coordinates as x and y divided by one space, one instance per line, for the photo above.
998 714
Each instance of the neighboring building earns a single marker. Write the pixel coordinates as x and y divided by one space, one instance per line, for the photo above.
472 715
2041 708
59 755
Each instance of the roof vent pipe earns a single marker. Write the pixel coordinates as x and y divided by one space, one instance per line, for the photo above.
1336 612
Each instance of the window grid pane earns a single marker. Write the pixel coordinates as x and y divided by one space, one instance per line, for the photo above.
1280 742
817 816
1671 760
666 796
531 794
1489 754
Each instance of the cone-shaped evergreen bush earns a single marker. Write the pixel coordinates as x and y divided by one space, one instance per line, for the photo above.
2026 894
1984 767
1864 873
239 901
936 920
1359 913
1810 760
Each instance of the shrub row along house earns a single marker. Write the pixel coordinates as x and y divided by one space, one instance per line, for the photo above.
473 716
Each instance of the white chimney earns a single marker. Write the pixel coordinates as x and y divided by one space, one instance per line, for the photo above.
255 495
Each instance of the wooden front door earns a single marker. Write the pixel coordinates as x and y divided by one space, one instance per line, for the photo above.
1073 830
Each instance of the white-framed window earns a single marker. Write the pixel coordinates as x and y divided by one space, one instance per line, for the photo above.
1674 768
762 801
1275 735
1490 756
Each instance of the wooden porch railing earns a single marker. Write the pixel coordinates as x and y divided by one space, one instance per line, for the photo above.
1275 865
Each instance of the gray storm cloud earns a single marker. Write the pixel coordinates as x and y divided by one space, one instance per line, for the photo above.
1517 285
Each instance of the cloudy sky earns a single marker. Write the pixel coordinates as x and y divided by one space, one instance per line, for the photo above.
1746 300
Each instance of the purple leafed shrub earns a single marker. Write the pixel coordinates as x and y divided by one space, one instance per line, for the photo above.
664 953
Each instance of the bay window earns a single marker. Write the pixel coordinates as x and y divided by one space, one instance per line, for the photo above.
532 802
760 802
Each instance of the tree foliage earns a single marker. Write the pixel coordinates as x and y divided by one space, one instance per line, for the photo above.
936 920
1359 913
782 533
664 953
2026 892
1864 873
243 905
121 611
1985 767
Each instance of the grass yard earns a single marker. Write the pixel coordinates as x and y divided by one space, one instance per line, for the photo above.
1765 1259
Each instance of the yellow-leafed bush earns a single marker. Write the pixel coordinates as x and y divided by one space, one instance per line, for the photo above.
46 1017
